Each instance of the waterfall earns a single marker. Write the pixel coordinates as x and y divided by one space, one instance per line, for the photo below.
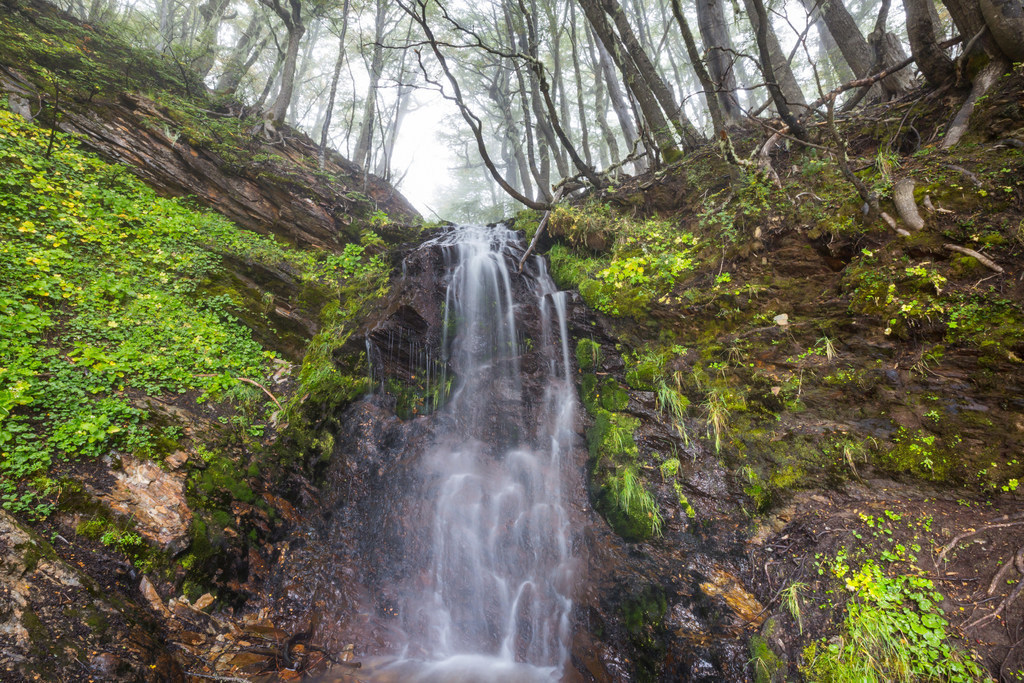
493 600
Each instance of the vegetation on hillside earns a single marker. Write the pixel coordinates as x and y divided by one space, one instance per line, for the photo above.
111 296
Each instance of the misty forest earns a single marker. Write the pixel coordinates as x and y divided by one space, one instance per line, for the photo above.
516 340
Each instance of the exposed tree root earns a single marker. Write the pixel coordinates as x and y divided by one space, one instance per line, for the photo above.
967 534
903 198
1018 560
970 175
985 79
982 259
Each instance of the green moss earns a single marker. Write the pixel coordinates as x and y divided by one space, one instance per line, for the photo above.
221 483
684 502
588 393
96 621
588 355
643 615
38 634
612 436
767 666
644 368
569 269
613 397
527 220
923 455
93 528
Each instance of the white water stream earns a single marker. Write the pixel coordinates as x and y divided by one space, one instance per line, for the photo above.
495 601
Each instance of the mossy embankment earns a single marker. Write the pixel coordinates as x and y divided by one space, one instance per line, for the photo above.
770 329
168 375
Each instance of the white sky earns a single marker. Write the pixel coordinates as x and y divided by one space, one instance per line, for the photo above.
426 158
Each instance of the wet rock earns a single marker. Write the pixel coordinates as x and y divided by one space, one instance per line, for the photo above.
104 664
204 601
153 598
176 459
155 500
722 584
681 618
13 589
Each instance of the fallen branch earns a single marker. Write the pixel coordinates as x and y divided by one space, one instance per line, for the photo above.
231 679
973 532
255 384
983 260
540 228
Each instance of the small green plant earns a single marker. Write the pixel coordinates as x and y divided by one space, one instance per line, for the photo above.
717 416
674 404
379 219
893 631
634 500
791 601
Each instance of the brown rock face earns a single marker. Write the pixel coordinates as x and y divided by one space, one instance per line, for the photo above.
155 499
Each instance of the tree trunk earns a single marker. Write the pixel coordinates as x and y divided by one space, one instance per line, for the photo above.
888 52
165 24
710 94
234 69
995 27
302 68
272 78
325 127
969 22
541 174
376 68
615 94
206 47
292 19
652 113
548 144
768 69
577 73
661 91
715 33
279 110
828 49
781 70
851 42
1005 19
934 63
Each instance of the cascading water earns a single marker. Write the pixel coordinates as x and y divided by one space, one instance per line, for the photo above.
493 600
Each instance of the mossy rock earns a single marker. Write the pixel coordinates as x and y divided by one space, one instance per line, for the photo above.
632 525
588 355
643 615
611 437
612 396
643 376
767 666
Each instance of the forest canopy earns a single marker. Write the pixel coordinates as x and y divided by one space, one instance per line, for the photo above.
543 93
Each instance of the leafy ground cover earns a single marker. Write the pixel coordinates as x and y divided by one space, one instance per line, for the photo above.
102 301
